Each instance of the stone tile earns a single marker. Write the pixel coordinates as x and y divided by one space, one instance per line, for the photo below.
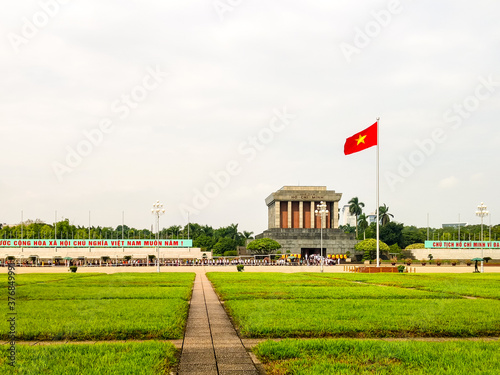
205 369
198 351
235 367
224 344
191 332
236 372
216 330
198 357
197 342
221 325
234 358
218 320
225 336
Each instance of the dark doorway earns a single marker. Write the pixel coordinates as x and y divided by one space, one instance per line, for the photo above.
311 251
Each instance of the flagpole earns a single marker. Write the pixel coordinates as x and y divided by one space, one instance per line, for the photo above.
378 205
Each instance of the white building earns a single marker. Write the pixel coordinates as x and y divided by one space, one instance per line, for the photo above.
372 218
346 217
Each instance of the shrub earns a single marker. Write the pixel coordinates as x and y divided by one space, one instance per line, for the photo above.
408 261
240 267
415 246
73 268
401 268
263 246
231 253
369 247
394 260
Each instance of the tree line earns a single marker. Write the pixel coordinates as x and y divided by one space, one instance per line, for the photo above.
220 240
398 236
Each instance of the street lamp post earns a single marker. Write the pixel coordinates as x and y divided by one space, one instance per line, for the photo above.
322 212
158 210
482 212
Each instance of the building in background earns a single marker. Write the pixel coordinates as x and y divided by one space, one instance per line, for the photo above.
346 217
293 223
372 218
454 225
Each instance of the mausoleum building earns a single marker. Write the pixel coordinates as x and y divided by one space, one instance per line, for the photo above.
293 223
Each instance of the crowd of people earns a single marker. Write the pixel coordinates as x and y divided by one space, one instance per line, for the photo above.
312 260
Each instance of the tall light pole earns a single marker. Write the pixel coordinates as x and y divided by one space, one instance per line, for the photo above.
482 212
158 210
321 211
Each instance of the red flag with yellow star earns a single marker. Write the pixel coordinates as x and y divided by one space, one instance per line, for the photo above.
361 141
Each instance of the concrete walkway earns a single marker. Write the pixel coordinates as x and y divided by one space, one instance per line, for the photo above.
211 344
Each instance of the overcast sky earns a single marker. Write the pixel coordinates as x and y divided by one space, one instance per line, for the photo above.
209 106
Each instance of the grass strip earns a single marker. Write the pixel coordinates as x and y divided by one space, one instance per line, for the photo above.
99 320
344 356
306 286
366 318
101 358
100 307
482 285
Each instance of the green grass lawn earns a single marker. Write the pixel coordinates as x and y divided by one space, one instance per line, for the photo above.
485 285
322 305
99 306
344 356
91 359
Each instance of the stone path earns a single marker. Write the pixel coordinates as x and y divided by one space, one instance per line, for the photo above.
211 345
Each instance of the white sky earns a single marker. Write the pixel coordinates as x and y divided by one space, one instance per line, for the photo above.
224 73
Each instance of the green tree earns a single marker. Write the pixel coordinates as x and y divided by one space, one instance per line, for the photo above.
173 231
356 208
47 231
391 233
207 230
246 235
411 235
369 247
224 244
263 246
347 228
363 224
193 229
383 215
204 241
119 229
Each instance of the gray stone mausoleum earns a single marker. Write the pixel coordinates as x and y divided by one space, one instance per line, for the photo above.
293 223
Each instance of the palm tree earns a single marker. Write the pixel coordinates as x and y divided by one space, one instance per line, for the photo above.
383 215
347 228
174 229
363 224
244 236
356 208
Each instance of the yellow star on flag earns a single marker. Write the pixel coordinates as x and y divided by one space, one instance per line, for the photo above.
361 139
